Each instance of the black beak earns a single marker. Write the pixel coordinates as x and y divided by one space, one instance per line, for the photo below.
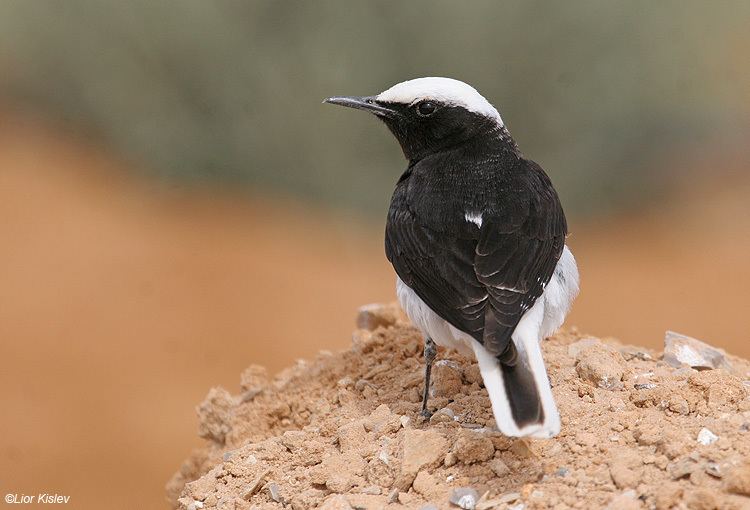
367 103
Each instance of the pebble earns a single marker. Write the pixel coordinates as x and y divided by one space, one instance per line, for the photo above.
215 415
443 415
464 497
471 447
706 437
382 421
713 469
352 437
293 439
562 472
421 448
336 502
446 379
393 496
371 316
253 487
682 350
738 479
273 492
509 497
601 365
499 467
623 502
450 459
575 348
681 468
425 484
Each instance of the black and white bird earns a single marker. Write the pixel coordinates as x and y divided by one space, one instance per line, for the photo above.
476 234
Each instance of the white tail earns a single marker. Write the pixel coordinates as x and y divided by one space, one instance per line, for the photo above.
521 397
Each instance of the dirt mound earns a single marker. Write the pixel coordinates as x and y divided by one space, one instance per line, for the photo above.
343 431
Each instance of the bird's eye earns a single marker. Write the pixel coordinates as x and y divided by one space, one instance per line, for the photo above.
426 108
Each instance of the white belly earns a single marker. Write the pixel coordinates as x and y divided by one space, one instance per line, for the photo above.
556 299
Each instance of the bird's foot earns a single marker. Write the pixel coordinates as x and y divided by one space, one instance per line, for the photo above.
425 413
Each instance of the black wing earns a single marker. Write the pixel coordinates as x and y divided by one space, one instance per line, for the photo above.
481 279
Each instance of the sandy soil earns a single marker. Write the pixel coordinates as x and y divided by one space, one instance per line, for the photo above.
343 432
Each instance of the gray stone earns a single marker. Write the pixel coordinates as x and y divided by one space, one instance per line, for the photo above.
464 497
680 350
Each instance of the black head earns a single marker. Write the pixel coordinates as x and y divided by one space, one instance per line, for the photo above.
430 115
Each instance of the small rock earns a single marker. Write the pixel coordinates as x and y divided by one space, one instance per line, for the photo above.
382 421
372 490
586 439
523 449
352 437
703 499
473 375
706 437
713 469
629 352
253 379
562 472
679 405
471 447
253 487
393 496
668 495
575 348
721 389
215 414
446 379
425 484
293 439
499 467
371 316
273 492
340 471
509 497
450 459
617 405
601 365
421 448
625 468
464 497
336 502
623 476
195 505
682 350
623 502
737 479
681 468
443 415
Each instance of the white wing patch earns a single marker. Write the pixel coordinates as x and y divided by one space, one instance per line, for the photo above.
475 218
444 90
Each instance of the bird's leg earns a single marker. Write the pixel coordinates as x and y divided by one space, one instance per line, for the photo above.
430 351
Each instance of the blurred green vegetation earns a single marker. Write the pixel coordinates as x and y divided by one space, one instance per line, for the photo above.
230 92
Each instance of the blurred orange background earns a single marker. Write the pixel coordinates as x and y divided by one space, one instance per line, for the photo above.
122 304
